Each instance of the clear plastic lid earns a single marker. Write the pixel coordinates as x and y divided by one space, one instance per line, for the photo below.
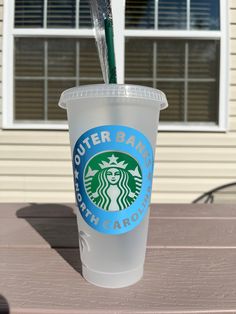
113 90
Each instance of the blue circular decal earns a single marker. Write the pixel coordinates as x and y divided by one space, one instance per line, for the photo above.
113 168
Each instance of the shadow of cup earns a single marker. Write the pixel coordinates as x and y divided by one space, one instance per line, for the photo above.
4 306
58 226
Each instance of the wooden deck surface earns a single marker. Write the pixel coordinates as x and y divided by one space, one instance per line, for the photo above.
190 263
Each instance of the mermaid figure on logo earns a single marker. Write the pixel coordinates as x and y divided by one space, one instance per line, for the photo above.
113 191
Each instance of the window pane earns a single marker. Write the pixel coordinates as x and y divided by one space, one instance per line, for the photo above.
204 59
29 100
61 14
84 14
29 57
140 14
139 59
62 57
172 14
175 96
170 58
142 55
29 13
55 88
205 14
89 63
203 102
177 67
46 66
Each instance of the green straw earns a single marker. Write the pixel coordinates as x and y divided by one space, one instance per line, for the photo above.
101 14
108 25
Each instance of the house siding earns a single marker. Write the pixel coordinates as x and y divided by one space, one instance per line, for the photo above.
35 166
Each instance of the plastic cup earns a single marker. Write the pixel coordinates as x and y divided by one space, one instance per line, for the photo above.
113 131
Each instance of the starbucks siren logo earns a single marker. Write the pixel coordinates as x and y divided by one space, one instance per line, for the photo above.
113 167
113 180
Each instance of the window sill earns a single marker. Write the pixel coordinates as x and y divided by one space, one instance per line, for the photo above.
166 127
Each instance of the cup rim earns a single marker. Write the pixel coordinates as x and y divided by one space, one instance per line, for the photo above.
113 90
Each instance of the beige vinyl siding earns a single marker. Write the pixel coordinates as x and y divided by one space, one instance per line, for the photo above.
35 165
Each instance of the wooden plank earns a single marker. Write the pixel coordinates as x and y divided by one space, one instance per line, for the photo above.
36 210
184 280
67 210
163 233
192 233
39 232
170 226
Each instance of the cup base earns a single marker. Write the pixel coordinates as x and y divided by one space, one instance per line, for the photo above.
112 280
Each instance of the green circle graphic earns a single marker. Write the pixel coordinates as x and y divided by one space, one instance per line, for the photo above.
112 180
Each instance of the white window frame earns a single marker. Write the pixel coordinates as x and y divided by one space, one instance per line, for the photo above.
119 28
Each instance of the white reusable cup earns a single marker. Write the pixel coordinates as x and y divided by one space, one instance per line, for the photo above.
117 125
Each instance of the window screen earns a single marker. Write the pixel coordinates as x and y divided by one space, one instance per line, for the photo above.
186 70
52 14
172 14
44 67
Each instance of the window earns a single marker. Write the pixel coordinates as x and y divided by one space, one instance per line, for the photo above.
186 70
178 46
44 67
